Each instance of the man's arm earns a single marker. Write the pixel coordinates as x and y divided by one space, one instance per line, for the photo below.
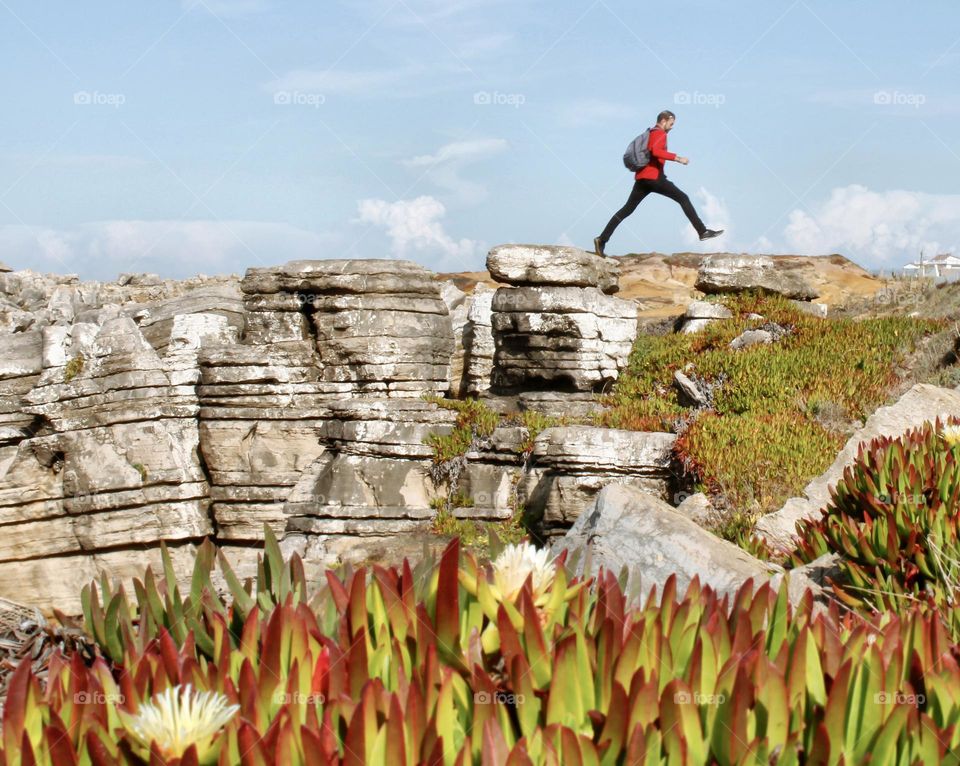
658 146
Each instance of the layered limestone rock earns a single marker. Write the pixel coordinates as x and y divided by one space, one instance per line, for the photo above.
570 465
557 327
261 407
20 366
478 343
158 321
552 265
373 487
380 326
115 469
701 313
144 410
317 332
458 305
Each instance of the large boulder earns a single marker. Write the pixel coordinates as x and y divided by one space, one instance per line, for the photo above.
731 273
921 403
552 265
626 526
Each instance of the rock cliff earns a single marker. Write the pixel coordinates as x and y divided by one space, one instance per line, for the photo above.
147 411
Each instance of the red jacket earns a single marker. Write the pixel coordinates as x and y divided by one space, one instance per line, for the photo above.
658 155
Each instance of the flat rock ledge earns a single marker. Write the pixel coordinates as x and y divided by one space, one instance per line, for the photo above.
552 265
731 273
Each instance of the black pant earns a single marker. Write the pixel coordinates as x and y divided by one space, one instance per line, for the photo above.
641 188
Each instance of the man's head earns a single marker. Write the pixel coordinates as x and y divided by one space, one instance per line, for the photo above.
665 120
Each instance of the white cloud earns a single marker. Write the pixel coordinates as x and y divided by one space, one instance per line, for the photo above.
415 225
443 168
103 249
882 228
460 151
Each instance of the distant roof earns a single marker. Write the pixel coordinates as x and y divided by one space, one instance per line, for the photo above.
947 258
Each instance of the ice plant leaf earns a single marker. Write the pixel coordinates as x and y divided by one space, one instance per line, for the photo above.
448 602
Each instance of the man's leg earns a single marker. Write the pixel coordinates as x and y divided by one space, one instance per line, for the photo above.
668 189
640 190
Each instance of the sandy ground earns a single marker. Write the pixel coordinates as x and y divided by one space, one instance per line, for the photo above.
662 284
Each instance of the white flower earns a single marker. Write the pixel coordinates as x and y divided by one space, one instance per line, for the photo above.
951 434
180 717
515 562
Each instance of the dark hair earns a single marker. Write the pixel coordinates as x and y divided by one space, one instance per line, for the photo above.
666 114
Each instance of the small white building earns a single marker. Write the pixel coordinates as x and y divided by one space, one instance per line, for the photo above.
942 265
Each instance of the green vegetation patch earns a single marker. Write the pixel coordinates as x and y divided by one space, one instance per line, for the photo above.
781 410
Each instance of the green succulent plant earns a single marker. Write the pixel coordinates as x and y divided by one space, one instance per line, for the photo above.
894 519
449 662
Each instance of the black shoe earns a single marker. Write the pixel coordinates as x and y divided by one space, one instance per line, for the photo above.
598 246
710 234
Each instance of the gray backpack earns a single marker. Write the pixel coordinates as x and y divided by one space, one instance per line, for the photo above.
637 155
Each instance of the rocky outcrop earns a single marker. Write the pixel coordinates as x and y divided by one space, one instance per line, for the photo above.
921 403
559 329
570 465
728 273
116 468
144 410
758 336
552 265
380 325
291 398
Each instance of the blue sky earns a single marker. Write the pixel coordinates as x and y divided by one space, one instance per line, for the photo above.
188 136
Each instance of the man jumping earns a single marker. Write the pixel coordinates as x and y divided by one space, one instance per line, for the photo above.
651 178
